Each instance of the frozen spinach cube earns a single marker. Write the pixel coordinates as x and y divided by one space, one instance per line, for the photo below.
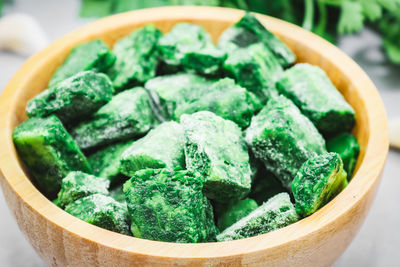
225 99
215 148
94 55
255 68
190 45
78 184
126 116
247 31
162 147
137 58
167 205
265 185
318 181
73 99
49 152
171 91
346 145
315 95
283 138
102 211
106 162
274 214
235 211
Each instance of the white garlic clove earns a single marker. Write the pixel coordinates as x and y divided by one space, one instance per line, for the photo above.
394 132
22 34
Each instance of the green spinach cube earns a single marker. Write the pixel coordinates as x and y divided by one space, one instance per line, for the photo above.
346 145
255 68
102 211
215 148
73 99
190 45
283 138
94 55
162 147
167 205
274 214
78 184
126 116
225 99
311 90
248 31
137 58
49 152
171 91
318 181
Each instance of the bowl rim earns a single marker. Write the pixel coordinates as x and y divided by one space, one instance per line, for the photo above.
368 173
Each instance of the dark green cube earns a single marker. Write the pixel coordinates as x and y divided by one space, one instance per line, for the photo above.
137 58
73 99
346 145
78 184
315 95
162 147
248 31
255 68
49 152
215 148
167 205
102 211
190 45
274 214
283 139
126 116
94 55
225 99
318 181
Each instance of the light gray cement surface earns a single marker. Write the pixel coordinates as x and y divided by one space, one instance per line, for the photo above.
377 243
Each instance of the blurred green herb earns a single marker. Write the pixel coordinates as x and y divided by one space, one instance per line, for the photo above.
327 18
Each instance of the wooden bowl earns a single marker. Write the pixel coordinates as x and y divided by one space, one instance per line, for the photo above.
318 240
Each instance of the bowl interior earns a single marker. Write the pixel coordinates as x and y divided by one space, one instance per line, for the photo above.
344 73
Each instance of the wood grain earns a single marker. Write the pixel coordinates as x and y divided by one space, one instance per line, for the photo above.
63 240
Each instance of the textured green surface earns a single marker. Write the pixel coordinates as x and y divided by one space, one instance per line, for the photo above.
318 181
283 138
311 90
168 205
161 147
215 148
249 30
254 68
102 211
225 99
94 55
77 185
235 211
126 116
73 99
106 162
137 58
49 152
276 213
171 91
265 185
190 45
346 145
